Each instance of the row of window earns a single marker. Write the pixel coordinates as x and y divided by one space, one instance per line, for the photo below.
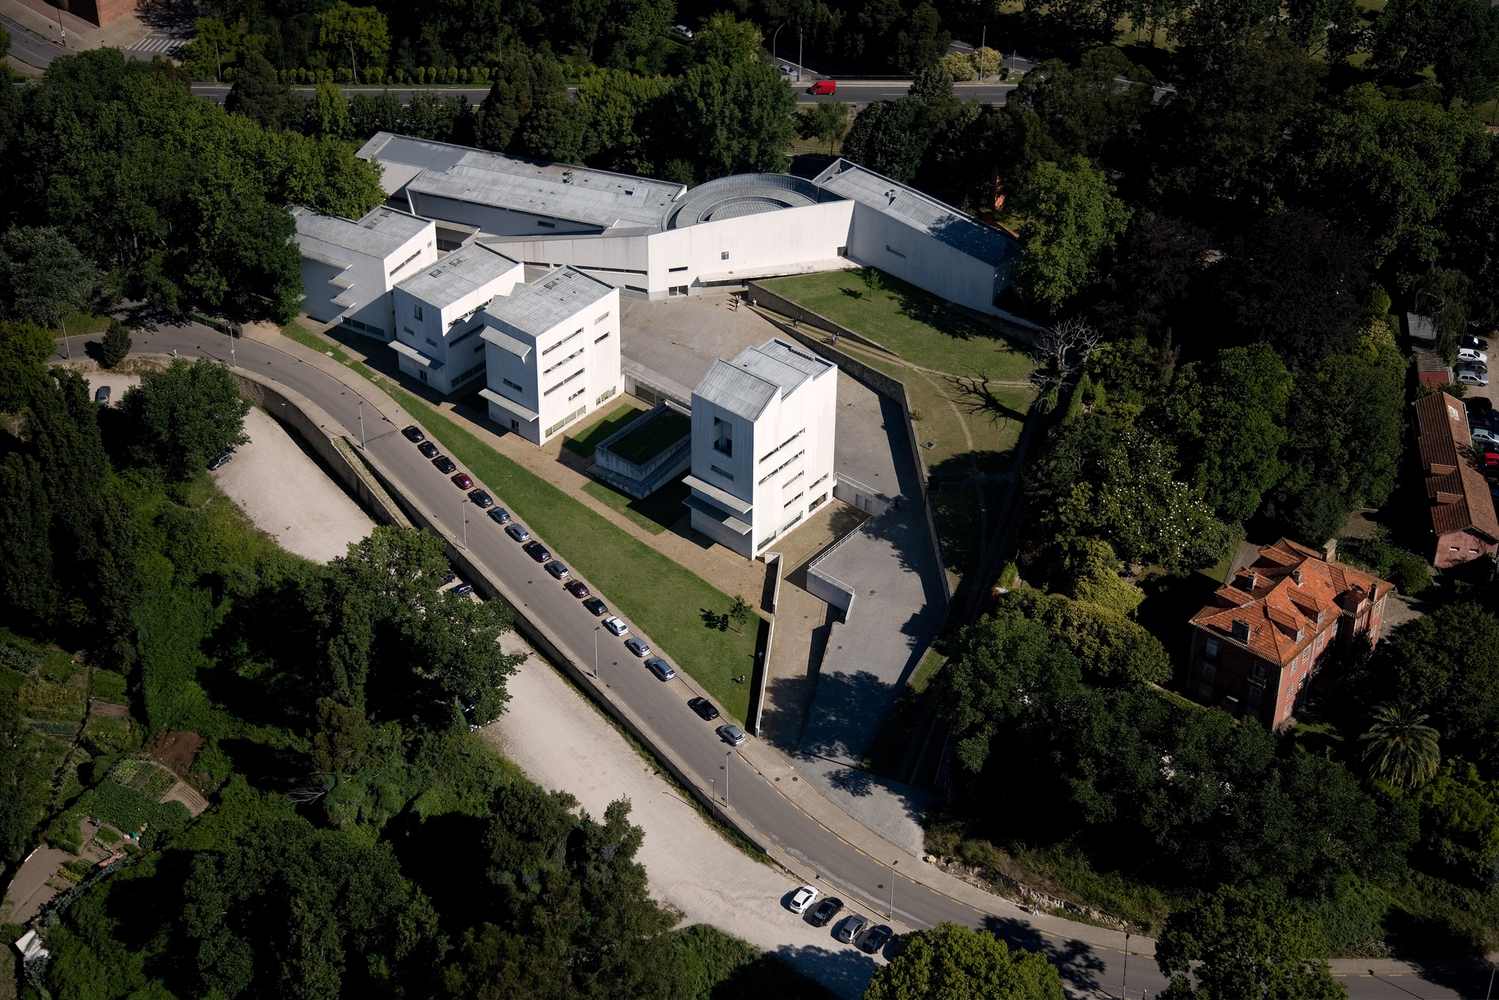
559 385
782 444
564 340
565 421
575 354
783 465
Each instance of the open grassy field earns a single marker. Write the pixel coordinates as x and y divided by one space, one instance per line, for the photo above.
619 418
908 322
654 513
669 603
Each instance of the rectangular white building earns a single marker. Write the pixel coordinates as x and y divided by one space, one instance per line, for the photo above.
551 352
762 444
349 267
436 314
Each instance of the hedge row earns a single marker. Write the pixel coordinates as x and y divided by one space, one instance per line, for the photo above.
376 75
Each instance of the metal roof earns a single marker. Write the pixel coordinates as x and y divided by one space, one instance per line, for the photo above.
919 211
458 274
536 307
740 195
746 385
379 234
558 190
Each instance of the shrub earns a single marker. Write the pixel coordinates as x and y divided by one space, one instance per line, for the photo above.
116 344
108 835
960 65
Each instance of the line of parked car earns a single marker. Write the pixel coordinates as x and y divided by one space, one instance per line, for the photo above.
855 928
1472 366
613 623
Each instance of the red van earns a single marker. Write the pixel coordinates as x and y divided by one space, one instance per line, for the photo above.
823 87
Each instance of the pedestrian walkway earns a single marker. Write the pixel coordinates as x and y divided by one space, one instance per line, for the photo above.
159 44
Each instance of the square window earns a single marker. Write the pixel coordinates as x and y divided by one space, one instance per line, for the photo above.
724 255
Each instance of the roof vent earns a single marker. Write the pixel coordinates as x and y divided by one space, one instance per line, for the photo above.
437 273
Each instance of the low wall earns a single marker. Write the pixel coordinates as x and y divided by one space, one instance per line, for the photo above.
830 590
773 565
759 293
312 422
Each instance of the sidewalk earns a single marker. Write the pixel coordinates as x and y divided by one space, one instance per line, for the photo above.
47 21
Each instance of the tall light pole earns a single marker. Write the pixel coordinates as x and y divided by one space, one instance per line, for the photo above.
798 53
65 345
1124 987
463 512
773 40
361 431
892 888
727 755
983 44
596 652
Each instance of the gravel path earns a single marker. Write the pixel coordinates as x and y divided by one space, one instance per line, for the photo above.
555 736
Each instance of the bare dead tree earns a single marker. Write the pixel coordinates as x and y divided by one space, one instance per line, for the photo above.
1061 350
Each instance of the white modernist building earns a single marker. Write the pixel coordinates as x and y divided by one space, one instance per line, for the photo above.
552 352
762 444
656 239
437 326
349 267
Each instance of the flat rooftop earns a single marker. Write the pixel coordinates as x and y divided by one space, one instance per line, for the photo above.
458 274
379 234
919 211
536 307
746 385
539 187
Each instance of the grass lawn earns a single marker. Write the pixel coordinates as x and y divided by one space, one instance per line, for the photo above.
649 440
667 601
619 418
654 513
907 321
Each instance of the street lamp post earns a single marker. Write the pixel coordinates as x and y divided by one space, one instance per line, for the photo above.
596 652
983 44
773 40
798 53
892 888
361 433
1124 986
712 795
463 512
65 345
727 755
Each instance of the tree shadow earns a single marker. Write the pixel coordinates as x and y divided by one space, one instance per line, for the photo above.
844 971
1077 962
975 398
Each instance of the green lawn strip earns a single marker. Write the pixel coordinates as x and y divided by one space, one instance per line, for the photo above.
646 442
305 337
82 324
919 327
662 597
619 418
654 513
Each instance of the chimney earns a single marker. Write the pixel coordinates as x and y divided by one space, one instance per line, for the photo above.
1241 631
1296 575
1330 550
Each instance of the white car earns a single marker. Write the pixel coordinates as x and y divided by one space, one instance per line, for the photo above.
682 30
803 898
1469 354
616 625
1467 377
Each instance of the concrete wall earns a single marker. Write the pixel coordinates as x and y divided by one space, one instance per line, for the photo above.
622 261
879 240
789 239
492 220
774 566
761 295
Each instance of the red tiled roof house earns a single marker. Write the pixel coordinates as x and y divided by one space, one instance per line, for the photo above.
1462 510
1275 623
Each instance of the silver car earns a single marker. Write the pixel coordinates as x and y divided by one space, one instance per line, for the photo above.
852 927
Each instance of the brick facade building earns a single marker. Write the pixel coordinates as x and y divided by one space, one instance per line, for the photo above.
1274 625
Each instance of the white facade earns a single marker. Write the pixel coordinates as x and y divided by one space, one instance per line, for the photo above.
551 352
657 240
762 444
437 330
349 267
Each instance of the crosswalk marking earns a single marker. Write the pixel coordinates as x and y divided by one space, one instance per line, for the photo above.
157 43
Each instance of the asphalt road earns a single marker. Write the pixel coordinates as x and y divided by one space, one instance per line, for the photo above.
29 47
1087 971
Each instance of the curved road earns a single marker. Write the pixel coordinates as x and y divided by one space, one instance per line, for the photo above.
845 869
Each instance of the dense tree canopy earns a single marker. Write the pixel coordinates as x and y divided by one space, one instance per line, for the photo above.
185 415
954 961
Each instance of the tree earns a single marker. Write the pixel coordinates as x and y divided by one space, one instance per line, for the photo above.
829 119
362 29
620 109
727 41
888 137
24 350
215 43
328 113
43 277
1158 266
257 93
954 961
727 119
1084 110
740 612
26 581
1399 747
1107 644
1459 40
116 344
1243 404
24 780
184 416
1072 217
1242 944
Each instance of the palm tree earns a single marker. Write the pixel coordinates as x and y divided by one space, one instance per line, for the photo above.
1400 748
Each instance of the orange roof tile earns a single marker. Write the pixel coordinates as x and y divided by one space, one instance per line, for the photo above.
1459 493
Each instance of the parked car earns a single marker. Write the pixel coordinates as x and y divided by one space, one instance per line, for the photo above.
637 645
576 588
414 434
1481 407
1471 354
558 570
826 910
444 464
876 938
660 668
517 532
101 394
704 708
1472 343
480 498
595 606
449 576
852 927
802 898
732 735
1466 377
616 625
463 588
1482 367
462 481
682 30
538 551
499 515
824 87
1485 438
786 70
220 460
428 449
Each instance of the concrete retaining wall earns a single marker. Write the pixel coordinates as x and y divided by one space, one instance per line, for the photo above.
312 422
774 566
759 293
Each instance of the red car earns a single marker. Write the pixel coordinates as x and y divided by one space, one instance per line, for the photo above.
576 588
823 87
462 481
